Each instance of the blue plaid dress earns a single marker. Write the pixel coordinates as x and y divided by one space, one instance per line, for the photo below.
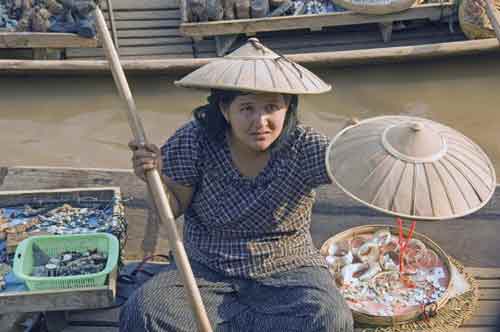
248 240
248 227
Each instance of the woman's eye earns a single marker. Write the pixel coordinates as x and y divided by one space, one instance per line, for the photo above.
246 109
272 108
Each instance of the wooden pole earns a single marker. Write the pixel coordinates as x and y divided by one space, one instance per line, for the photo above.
494 17
112 25
154 181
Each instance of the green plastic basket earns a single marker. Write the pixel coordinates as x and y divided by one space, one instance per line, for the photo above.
54 245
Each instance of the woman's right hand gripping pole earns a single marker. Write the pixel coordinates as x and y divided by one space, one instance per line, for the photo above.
145 157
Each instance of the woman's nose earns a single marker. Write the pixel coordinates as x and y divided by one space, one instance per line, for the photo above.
260 119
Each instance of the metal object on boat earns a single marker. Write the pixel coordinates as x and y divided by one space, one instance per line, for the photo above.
411 167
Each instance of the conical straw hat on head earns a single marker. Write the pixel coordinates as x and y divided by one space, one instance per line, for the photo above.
255 68
411 167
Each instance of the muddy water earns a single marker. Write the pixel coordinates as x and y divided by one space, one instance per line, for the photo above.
77 121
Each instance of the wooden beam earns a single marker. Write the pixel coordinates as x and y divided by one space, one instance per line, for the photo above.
244 26
43 40
184 65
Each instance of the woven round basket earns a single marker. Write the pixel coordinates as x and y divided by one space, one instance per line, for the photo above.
414 315
377 7
478 26
453 314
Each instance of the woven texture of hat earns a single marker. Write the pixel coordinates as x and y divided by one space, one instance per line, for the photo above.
255 68
411 167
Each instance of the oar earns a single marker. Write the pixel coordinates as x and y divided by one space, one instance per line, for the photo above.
494 17
153 179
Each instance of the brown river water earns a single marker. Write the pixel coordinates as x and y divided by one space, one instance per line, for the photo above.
78 121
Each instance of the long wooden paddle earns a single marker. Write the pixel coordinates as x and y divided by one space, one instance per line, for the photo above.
494 17
153 179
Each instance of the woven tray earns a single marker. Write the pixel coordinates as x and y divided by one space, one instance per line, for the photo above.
413 315
453 314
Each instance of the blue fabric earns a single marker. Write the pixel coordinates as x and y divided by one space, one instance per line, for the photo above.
14 284
248 227
303 299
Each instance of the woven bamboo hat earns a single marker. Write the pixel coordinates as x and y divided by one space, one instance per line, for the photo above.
411 167
255 68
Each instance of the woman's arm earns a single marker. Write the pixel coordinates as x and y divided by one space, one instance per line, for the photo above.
147 157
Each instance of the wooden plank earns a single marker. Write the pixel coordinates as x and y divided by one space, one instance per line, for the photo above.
431 11
490 294
42 39
147 33
489 283
147 24
484 273
126 42
147 15
56 300
482 320
139 50
479 329
144 4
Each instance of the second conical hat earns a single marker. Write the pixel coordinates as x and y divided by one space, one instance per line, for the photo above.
411 167
255 68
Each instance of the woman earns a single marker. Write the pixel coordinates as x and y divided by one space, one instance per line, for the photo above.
242 173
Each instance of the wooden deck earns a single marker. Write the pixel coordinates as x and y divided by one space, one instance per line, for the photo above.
473 239
486 319
151 29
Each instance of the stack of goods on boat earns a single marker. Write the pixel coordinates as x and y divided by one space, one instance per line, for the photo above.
18 223
412 168
70 263
474 21
72 16
217 10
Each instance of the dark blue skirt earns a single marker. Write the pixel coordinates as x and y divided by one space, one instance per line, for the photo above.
304 299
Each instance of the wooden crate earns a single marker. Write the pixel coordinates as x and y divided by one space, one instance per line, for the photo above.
61 299
73 196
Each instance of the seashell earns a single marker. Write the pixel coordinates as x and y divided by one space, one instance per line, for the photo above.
368 252
389 261
350 273
338 262
382 237
428 259
338 249
373 269
356 243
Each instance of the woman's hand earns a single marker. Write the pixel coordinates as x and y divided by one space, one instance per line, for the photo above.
145 157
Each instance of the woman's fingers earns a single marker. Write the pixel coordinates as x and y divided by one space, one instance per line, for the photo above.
134 145
145 157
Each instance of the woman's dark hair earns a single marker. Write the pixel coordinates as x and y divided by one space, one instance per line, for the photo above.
210 116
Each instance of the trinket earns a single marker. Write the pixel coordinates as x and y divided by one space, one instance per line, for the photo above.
367 273
72 263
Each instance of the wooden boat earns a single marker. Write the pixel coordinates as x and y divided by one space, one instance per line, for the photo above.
333 212
153 36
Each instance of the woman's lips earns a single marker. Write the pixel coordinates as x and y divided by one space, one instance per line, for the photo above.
260 136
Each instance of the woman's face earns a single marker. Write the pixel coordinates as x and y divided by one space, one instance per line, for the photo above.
256 120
